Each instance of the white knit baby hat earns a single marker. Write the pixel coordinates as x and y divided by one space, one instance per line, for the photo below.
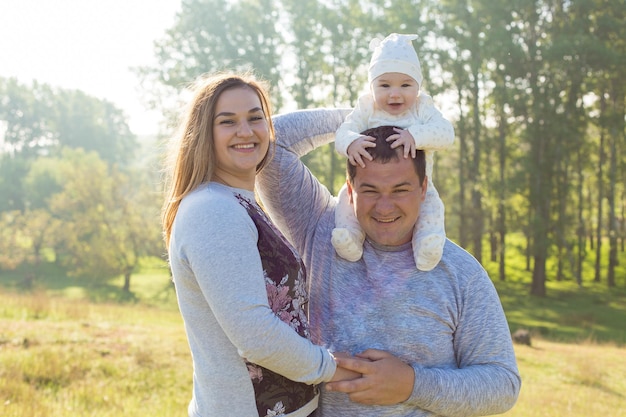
395 54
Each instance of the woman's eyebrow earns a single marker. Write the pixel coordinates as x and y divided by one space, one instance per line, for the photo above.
227 113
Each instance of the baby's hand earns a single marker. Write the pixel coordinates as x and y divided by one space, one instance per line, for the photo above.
358 150
403 138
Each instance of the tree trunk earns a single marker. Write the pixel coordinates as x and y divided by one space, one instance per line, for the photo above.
540 246
477 220
560 237
502 197
529 239
540 194
127 281
559 263
562 187
617 129
539 191
580 231
538 287
598 237
493 244
590 236
478 227
462 173
623 222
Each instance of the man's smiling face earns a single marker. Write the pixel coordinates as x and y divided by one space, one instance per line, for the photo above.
387 198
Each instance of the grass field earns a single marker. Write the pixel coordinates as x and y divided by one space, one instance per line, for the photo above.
74 348
571 379
65 357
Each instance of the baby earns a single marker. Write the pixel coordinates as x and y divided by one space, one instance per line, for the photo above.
396 99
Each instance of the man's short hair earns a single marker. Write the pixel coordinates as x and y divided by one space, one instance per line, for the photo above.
383 152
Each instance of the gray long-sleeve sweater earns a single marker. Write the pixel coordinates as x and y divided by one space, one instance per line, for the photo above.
238 319
448 323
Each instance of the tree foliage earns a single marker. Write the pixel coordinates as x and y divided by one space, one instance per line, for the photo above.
68 186
107 223
214 35
40 120
535 90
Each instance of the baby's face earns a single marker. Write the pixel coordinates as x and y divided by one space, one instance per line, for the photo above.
395 92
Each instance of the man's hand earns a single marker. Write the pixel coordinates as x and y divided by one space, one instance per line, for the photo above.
358 150
403 138
386 379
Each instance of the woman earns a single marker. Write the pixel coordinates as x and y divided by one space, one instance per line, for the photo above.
241 286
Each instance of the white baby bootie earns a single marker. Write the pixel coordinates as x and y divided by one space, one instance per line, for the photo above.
427 250
348 237
348 244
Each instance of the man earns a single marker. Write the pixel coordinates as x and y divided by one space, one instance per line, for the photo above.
427 343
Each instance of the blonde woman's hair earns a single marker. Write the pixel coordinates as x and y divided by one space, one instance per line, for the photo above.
191 158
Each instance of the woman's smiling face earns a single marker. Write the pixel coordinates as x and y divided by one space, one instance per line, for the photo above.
241 135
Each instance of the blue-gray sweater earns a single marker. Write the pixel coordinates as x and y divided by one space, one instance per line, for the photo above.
448 323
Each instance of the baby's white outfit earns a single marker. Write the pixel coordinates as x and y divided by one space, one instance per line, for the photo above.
431 132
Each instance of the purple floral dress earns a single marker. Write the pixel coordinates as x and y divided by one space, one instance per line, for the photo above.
285 281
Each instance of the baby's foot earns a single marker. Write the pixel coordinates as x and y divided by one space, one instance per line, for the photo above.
347 245
429 251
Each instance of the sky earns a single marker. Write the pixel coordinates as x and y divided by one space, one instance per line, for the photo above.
86 45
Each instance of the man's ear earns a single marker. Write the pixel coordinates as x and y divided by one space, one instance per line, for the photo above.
424 188
349 186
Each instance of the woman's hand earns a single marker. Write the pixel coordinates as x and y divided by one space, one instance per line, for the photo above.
343 374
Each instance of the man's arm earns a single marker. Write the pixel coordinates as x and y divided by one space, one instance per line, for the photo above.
290 193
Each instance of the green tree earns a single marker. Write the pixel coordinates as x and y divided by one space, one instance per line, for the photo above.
570 65
24 237
607 58
307 33
213 35
41 120
26 112
80 121
12 171
108 223
464 26
12 249
539 101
